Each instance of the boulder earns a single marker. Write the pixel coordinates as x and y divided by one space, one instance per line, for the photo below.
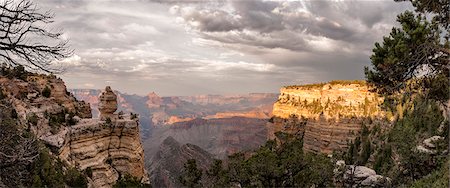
376 181
358 176
429 142
358 172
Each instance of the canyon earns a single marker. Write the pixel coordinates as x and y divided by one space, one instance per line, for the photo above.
219 125
156 111
328 115
109 147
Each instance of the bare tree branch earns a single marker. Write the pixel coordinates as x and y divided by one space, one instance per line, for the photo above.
24 39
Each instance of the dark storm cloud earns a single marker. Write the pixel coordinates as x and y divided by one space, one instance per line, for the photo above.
183 47
214 21
340 21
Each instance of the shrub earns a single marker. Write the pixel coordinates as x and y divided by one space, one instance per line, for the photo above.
46 92
88 172
33 119
74 178
108 121
133 116
2 95
130 181
14 114
70 120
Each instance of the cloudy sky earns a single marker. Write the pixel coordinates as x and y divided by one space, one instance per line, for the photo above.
184 47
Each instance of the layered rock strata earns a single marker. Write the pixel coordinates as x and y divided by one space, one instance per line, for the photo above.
108 149
329 115
110 146
108 104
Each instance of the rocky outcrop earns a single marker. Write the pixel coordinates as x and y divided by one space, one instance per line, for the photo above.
110 146
27 95
154 101
429 145
358 176
107 104
329 114
332 100
168 162
108 149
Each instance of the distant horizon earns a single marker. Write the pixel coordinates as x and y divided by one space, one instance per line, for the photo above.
143 95
230 94
219 47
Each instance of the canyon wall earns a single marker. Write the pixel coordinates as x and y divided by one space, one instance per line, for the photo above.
169 161
220 137
329 115
108 147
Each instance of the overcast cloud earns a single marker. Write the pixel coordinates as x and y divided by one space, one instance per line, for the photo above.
218 47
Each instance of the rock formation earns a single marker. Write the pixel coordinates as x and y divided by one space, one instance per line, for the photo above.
333 100
169 161
108 148
333 113
154 101
429 145
107 104
358 176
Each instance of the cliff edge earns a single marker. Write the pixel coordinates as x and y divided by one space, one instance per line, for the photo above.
108 148
329 115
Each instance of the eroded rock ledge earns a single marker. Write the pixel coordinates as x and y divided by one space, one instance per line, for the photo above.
109 149
329 114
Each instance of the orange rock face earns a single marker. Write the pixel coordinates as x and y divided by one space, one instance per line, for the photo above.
333 113
333 101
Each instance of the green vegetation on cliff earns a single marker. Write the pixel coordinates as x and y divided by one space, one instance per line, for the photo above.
333 82
272 165
25 161
410 69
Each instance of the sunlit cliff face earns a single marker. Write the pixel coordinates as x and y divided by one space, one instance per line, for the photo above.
329 115
328 100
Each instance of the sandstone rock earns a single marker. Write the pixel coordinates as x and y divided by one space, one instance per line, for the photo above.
329 115
335 101
376 181
56 140
359 172
154 101
429 142
422 149
107 104
358 176
428 145
340 163
109 150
